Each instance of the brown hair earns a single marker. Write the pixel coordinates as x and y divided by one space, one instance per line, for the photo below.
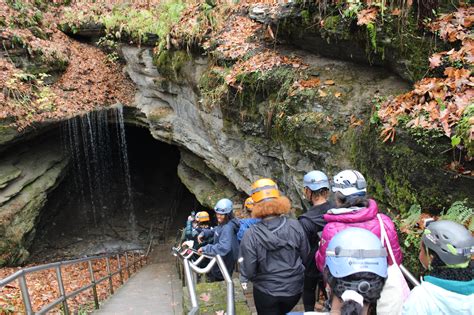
273 206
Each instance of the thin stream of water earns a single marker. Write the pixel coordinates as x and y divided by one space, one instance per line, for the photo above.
91 141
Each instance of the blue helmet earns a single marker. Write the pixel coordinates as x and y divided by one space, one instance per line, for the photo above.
315 180
355 250
224 206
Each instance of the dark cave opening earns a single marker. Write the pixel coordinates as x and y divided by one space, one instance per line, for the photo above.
90 213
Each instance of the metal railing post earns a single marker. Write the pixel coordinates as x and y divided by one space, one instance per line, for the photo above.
119 264
62 292
134 262
94 286
25 295
107 266
230 285
191 288
127 265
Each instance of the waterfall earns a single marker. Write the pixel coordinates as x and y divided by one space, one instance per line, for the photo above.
126 170
100 164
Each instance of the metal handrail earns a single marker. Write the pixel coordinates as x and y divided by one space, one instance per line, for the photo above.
409 276
20 275
192 266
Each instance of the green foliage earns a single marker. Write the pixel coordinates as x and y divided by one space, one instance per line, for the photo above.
376 103
372 33
408 224
35 100
126 23
463 130
169 63
137 24
459 212
213 87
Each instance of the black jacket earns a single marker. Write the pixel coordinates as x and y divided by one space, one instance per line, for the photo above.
313 223
272 253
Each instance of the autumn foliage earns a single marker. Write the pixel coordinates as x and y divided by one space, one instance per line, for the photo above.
439 102
87 78
43 286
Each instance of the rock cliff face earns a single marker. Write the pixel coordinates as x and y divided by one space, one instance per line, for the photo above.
224 147
28 172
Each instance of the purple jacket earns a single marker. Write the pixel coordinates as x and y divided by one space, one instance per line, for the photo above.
365 218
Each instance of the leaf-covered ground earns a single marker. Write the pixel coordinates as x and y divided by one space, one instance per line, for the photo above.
45 75
43 286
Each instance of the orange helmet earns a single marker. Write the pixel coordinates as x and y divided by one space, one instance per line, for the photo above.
202 216
249 203
263 189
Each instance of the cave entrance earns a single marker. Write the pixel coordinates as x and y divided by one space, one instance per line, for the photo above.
121 183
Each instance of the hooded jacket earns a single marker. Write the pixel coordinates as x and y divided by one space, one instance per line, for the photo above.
313 223
273 252
439 298
225 244
365 218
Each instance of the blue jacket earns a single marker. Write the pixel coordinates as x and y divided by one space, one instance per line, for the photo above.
225 244
244 225
441 297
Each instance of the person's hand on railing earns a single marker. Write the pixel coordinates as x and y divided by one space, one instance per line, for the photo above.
199 238
200 251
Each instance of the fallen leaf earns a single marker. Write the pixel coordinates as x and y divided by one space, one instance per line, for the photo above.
435 60
322 93
329 82
366 16
205 297
337 94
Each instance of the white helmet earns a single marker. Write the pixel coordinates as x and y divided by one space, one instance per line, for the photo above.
349 182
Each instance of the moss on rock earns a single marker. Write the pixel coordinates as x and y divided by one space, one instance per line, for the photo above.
169 63
404 172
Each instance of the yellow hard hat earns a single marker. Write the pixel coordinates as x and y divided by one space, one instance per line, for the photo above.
202 216
249 203
263 189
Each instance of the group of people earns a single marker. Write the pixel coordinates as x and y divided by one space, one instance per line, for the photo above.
345 247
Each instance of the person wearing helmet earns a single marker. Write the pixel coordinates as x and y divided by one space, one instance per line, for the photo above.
446 251
225 241
194 225
355 270
273 251
355 209
316 191
245 223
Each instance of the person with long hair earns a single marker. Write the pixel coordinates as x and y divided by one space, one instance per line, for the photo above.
273 252
355 271
446 251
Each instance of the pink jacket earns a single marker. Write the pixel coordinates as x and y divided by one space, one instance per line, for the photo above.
365 218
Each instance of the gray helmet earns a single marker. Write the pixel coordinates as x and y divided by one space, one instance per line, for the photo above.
451 241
